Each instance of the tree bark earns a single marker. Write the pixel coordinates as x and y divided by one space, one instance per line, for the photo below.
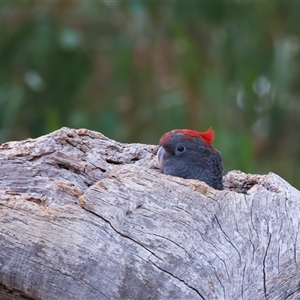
85 217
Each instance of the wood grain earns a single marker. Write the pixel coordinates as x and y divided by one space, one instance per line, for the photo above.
86 217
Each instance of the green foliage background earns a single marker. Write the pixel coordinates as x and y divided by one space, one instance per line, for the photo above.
136 69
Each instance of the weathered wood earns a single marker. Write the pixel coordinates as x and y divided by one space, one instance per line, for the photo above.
85 217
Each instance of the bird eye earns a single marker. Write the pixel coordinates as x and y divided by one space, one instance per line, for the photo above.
180 148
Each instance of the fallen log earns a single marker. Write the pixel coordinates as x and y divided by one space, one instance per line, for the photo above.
86 217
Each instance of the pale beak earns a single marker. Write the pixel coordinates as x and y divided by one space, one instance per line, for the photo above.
160 157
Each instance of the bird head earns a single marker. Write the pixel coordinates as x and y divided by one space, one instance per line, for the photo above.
189 154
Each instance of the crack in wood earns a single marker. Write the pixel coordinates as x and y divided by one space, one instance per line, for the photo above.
228 239
151 252
264 267
181 280
292 294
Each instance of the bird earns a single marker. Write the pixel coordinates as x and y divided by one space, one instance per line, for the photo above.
189 154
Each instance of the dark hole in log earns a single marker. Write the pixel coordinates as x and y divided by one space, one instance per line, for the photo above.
111 161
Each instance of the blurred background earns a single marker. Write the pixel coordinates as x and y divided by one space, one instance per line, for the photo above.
136 69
